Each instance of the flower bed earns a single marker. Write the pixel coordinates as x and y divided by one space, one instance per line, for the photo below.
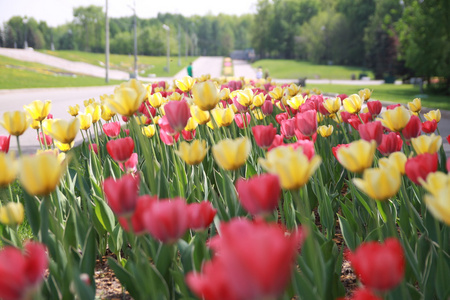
216 189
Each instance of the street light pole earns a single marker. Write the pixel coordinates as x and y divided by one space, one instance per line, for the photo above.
135 39
107 44
25 21
167 28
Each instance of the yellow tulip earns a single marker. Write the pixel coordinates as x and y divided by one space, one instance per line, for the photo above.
325 131
415 105
204 78
365 94
73 110
193 153
396 159
95 111
435 181
38 110
15 122
149 131
224 94
245 97
127 98
395 119
292 166
40 174
175 96
231 154
276 93
427 143
333 105
223 116
107 113
12 213
8 167
293 90
85 121
185 84
259 100
358 156
353 104
191 124
34 124
205 95
88 102
156 100
200 116
380 183
62 130
433 115
63 147
437 201
141 120
296 101
257 113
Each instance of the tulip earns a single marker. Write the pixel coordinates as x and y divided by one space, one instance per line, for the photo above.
395 119
231 154
258 114
130 164
372 131
165 125
415 105
267 107
178 114
242 119
393 106
127 98
390 142
185 84
12 213
107 113
362 294
200 215
287 128
281 117
374 107
293 167
224 94
277 141
308 105
427 144
259 194
95 111
379 183
433 115
365 94
93 147
15 122
420 166
48 139
307 122
395 159
238 272
264 135
120 149
353 103
156 100
62 130
296 101
276 93
335 149
149 131
437 184
4 143
205 95
168 139
38 110
88 102
22 273
191 124
174 96
73 110
167 220
379 266
245 97
325 131
192 154
200 116
429 126
64 147
122 194
85 121
358 156
307 147
112 129
332 105
413 128
143 203
40 174
259 100
223 116
188 135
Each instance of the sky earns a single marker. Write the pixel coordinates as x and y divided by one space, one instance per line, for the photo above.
58 12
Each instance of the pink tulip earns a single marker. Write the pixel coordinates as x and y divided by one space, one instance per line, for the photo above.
178 114
112 129
259 194
122 194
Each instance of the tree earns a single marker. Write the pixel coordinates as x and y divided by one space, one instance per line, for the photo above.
89 28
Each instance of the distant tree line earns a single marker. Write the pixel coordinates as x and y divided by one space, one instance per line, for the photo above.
391 37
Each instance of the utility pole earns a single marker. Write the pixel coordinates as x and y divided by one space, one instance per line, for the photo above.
106 44
25 21
179 45
135 39
167 28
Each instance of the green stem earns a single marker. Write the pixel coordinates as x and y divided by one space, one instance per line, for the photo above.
18 145
43 136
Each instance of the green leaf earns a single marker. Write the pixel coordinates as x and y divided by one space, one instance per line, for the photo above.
350 236
125 278
32 212
87 263
104 214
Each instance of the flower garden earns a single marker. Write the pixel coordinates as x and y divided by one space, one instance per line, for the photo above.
214 189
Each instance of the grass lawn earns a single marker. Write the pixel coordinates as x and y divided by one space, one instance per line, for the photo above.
16 74
293 69
146 64
389 92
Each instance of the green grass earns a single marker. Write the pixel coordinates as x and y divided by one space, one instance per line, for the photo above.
16 74
292 69
146 64
389 92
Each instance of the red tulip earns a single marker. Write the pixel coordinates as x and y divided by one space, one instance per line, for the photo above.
307 122
130 164
188 135
122 194
363 294
277 141
374 107
4 143
168 139
240 121
413 128
178 114
200 215
301 137
371 131
390 142
241 270
48 139
288 128
345 116
448 139
429 126
393 106
112 129
281 117
448 165
125 119
163 122
21 273
93 147
420 166
308 105
264 135
167 220
342 96
379 266
259 194
127 132
120 149
143 203
267 107
307 147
